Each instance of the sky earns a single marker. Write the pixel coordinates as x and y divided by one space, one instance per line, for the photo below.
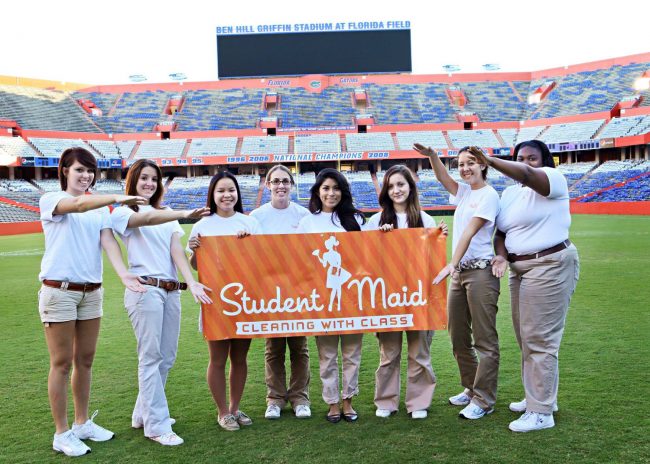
102 42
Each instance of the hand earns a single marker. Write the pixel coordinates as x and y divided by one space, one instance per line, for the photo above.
133 283
243 233
130 200
426 151
444 228
446 271
386 227
197 213
481 157
499 265
198 291
194 242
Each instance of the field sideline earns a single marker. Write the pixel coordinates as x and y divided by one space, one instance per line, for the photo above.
604 415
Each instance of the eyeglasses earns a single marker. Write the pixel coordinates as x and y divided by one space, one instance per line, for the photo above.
277 182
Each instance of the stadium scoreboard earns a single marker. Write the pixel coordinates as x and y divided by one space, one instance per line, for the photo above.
298 49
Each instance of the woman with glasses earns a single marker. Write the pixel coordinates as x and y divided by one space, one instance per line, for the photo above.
474 289
533 234
281 216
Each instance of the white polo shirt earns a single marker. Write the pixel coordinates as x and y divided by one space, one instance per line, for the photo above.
148 247
481 203
73 250
279 221
323 222
533 222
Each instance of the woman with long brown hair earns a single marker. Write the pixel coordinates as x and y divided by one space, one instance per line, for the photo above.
401 209
152 234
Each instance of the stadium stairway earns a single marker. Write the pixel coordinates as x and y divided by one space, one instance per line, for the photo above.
499 138
516 92
134 151
188 144
448 139
117 102
86 115
260 192
375 181
584 176
600 129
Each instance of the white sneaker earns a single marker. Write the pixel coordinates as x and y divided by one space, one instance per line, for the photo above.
273 412
462 399
532 421
229 422
419 414
383 413
473 411
168 439
243 418
303 411
92 431
138 424
69 444
520 406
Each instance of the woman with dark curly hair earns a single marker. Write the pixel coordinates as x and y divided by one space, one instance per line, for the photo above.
332 210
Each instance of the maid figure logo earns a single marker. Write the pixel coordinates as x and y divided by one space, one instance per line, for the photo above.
336 275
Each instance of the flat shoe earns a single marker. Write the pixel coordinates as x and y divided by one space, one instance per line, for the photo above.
334 419
350 416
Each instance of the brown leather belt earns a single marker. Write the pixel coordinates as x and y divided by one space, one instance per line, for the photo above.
169 285
74 286
554 249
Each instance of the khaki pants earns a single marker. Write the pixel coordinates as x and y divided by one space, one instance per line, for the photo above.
421 378
328 358
472 312
540 292
275 372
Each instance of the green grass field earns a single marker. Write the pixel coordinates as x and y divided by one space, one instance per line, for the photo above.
604 415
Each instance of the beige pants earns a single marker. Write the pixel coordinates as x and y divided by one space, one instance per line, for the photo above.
276 378
421 378
540 292
328 357
472 313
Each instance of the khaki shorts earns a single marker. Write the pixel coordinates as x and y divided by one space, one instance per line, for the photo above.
56 305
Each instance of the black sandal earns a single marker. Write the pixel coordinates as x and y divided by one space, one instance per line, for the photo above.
334 418
350 416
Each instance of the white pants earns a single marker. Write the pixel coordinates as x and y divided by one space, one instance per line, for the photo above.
156 319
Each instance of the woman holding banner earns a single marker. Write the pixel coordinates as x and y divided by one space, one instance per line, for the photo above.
281 216
332 210
152 234
474 289
401 209
226 218
533 234
77 227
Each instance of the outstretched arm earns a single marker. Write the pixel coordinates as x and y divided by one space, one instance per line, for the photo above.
535 178
84 203
438 168
160 216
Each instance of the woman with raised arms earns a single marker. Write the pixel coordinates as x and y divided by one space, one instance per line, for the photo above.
533 235
332 210
401 209
281 216
152 234
226 218
474 290
76 227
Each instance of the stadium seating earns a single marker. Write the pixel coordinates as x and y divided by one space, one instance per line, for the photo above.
213 146
481 138
370 141
608 174
317 143
302 109
54 147
571 132
433 139
15 146
220 109
265 145
10 213
161 148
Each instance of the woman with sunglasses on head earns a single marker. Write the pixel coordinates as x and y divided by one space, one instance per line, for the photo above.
77 227
281 216
400 210
474 290
227 218
533 235
332 210
152 234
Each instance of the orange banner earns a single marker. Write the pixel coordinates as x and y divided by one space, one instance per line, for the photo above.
323 283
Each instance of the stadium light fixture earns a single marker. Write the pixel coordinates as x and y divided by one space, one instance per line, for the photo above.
137 77
642 83
450 68
491 67
178 76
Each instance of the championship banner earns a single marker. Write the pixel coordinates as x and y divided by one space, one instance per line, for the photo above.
322 283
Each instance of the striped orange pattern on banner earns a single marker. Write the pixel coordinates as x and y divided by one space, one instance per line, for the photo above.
322 283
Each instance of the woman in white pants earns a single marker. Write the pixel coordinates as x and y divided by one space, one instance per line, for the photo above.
152 234
281 216
77 227
401 209
533 235
332 210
